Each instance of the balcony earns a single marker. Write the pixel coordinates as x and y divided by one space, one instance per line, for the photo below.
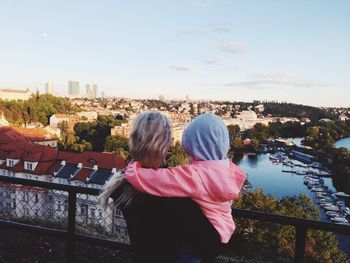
70 214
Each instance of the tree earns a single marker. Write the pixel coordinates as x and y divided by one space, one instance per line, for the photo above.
233 131
113 143
176 156
70 142
275 242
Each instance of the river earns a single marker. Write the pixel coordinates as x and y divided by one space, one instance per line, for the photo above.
343 143
262 173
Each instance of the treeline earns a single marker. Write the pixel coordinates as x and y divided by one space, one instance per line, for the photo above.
91 135
284 109
298 111
322 138
275 242
261 133
325 134
38 108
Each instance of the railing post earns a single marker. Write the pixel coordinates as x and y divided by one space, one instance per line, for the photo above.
72 200
300 240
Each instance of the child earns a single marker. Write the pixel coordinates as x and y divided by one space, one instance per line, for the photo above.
211 179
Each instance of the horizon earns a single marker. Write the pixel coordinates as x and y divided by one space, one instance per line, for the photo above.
294 52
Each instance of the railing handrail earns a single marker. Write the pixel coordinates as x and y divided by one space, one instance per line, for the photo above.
301 224
292 221
250 214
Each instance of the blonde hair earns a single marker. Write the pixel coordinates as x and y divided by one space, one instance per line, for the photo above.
149 141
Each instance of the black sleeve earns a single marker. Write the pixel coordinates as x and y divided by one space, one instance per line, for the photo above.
158 226
197 229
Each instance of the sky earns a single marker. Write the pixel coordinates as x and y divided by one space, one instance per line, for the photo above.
237 50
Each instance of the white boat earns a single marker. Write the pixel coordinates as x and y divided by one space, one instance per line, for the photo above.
331 208
342 194
327 204
332 214
339 219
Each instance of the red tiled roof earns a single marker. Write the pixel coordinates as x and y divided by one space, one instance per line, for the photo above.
82 174
8 134
89 159
16 146
15 154
2 154
55 166
19 167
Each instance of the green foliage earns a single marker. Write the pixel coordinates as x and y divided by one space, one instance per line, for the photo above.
298 111
325 134
117 144
96 132
262 132
70 142
233 131
274 241
176 156
35 109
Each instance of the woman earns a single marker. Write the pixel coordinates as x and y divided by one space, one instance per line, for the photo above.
160 229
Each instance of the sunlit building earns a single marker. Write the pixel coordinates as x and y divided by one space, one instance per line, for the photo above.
73 88
49 88
15 94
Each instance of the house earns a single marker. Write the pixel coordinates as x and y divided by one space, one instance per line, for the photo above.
37 135
343 117
3 121
15 94
19 157
55 119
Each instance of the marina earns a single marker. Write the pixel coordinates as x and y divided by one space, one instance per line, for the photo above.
279 175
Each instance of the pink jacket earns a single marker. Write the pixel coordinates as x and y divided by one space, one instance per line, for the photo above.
211 184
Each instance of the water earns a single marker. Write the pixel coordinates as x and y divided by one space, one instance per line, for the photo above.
270 178
343 143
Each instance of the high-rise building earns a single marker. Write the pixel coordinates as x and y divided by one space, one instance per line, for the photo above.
161 97
94 91
91 91
49 88
187 97
103 94
73 88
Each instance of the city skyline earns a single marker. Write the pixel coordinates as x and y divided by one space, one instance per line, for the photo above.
294 51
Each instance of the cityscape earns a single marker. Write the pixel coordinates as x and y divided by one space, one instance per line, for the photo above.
62 148
76 77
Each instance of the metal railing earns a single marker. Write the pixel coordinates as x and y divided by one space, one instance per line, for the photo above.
71 236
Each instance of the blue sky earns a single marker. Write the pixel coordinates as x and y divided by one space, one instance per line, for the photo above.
296 51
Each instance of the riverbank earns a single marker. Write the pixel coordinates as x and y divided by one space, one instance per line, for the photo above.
269 176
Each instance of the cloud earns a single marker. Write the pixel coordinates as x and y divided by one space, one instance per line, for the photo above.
183 68
212 62
219 28
268 80
232 48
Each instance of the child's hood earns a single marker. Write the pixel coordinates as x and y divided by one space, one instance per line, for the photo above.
222 180
206 138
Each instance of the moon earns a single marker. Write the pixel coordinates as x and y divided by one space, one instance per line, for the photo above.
44 34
